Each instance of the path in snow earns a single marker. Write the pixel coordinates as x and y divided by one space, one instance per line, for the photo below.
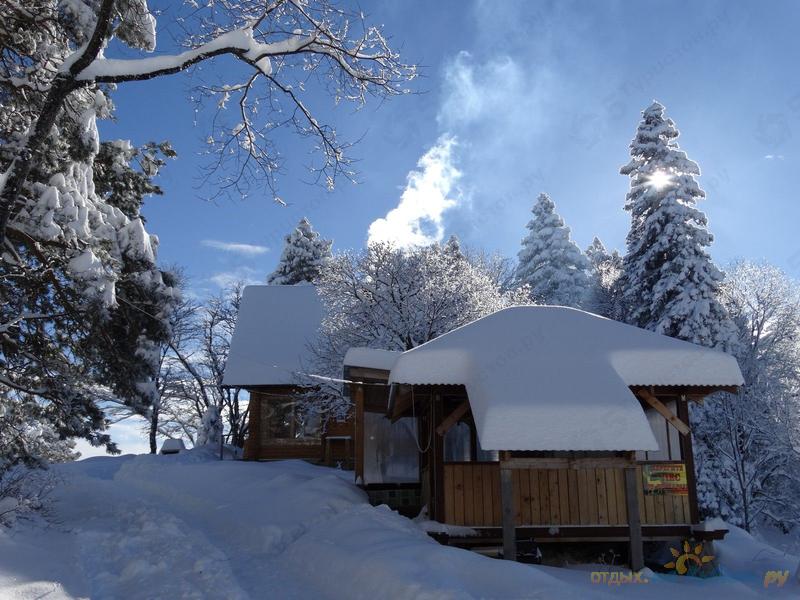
161 527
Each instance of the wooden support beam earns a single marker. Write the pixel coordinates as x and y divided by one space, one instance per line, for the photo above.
402 401
634 518
694 390
507 501
664 411
453 418
568 463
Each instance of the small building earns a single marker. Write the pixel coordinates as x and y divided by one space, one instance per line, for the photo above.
540 423
537 423
269 349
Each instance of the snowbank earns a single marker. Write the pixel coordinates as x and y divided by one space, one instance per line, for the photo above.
189 526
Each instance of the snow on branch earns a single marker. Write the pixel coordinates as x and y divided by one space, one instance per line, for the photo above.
287 46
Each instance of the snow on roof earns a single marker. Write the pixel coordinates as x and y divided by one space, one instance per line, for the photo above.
555 378
371 358
275 325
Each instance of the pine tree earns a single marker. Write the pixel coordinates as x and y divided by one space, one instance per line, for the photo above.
550 262
83 301
605 270
304 255
671 285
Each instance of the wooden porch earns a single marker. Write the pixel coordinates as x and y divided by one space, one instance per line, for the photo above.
554 497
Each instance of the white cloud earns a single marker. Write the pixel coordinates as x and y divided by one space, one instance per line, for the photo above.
226 278
495 108
128 434
236 247
497 90
429 192
774 156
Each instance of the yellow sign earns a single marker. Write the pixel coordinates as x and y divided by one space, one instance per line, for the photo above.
688 559
666 478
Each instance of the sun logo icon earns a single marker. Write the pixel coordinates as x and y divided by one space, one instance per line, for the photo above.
688 559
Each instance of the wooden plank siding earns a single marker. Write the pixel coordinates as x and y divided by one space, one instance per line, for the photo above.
544 497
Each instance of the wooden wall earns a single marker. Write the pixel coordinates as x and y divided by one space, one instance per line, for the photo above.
259 445
586 496
272 451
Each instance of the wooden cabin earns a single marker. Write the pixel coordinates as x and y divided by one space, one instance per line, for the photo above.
270 347
538 423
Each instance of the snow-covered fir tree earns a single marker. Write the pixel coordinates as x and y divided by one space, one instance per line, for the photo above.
605 269
671 285
549 261
305 254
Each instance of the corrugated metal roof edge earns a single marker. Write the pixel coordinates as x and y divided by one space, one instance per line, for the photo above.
650 383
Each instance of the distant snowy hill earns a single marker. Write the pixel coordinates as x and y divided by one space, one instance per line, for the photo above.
188 526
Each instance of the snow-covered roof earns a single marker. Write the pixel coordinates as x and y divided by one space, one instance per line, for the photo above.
371 358
275 325
555 378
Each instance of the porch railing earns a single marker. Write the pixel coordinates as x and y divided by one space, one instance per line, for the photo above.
553 497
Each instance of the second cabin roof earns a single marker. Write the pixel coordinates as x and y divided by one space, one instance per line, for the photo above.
556 378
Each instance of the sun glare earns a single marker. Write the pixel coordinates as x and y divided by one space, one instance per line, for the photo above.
659 179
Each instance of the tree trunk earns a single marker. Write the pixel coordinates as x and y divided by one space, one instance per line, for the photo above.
154 429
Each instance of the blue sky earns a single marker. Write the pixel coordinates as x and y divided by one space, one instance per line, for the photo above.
515 98
538 96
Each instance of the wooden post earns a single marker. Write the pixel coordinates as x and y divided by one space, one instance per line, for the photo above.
687 456
437 461
253 439
358 432
634 518
509 526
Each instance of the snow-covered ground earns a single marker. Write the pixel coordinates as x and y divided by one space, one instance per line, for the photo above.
188 526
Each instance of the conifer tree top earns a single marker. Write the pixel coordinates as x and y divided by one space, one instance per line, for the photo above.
671 283
549 261
304 255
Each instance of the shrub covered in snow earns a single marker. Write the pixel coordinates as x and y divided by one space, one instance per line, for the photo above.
210 432
23 492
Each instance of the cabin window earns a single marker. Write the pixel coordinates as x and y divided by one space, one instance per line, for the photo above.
668 438
282 420
391 450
